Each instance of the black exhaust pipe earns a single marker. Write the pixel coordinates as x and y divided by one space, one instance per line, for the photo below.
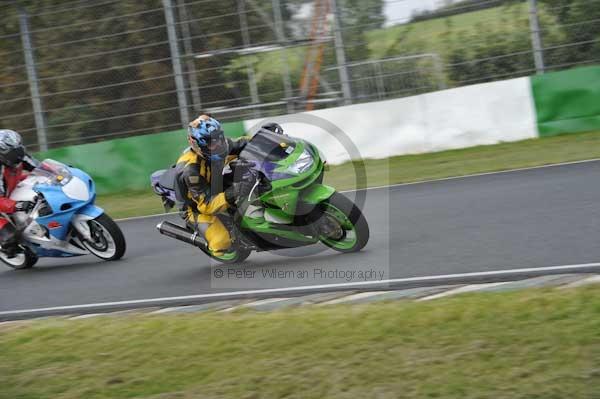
181 234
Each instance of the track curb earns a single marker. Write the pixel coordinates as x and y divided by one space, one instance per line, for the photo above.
353 297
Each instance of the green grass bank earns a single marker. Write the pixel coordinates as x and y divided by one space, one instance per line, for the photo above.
525 344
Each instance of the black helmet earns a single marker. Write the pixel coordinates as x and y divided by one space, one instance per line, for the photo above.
12 150
273 127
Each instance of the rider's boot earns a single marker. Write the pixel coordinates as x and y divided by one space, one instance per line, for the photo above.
9 244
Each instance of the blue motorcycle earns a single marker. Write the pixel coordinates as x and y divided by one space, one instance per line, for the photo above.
64 221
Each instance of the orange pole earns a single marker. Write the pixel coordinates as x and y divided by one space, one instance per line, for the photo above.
308 59
314 84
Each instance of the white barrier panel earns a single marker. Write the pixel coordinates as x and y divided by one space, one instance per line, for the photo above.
481 114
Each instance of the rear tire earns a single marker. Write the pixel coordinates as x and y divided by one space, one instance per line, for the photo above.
354 224
109 242
26 259
240 255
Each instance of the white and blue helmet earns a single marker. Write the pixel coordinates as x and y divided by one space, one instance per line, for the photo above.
12 150
207 138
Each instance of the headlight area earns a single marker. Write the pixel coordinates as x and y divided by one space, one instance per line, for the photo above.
304 162
77 189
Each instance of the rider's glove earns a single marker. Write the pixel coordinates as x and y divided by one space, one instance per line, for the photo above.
237 192
167 203
24 206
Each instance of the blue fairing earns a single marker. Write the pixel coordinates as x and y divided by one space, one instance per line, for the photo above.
65 208
91 210
52 253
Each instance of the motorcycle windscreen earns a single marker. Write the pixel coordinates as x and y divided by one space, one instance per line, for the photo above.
55 172
266 146
265 149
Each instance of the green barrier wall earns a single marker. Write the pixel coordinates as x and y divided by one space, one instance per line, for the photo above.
567 102
126 164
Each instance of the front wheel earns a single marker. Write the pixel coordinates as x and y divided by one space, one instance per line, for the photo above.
24 259
107 241
343 225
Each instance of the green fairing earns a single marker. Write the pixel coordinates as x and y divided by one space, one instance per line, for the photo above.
350 239
127 163
278 214
282 198
264 227
285 193
567 101
317 193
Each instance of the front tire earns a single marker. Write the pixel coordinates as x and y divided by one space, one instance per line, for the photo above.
25 259
108 242
352 231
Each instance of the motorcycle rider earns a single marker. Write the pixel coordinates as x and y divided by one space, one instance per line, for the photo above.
201 171
13 161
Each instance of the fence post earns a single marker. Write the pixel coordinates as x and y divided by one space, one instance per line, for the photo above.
340 53
38 111
176 61
536 39
439 71
188 54
249 68
287 83
379 83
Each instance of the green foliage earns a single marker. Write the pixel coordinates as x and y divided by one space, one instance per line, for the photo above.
138 93
359 16
490 59
570 35
498 50
96 69
580 28
459 7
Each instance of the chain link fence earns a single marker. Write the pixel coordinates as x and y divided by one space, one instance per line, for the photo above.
83 71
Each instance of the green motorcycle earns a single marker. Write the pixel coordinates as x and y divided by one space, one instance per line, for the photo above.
288 206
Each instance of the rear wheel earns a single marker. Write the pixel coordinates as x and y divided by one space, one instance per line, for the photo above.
24 259
344 227
234 256
107 241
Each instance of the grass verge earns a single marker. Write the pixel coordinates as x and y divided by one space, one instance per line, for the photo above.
526 344
412 168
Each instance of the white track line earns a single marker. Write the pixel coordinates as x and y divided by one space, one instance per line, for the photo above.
354 297
460 290
553 165
165 301
415 183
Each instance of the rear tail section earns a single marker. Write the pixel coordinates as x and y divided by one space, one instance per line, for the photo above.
165 192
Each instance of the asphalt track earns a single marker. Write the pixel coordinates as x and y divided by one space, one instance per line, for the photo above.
524 219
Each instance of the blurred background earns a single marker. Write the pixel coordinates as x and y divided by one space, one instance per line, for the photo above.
84 71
